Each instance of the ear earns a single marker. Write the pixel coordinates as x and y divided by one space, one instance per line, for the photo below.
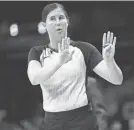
44 25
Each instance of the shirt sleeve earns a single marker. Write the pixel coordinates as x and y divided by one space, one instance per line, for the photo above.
34 54
91 54
95 57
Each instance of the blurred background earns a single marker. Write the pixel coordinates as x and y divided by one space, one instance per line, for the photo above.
21 29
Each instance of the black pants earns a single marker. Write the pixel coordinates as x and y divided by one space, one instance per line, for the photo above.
78 119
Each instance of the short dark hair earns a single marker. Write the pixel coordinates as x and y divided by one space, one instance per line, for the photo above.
48 8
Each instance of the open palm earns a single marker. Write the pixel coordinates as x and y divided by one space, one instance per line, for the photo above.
109 42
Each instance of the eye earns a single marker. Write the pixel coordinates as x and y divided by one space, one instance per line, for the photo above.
61 17
52 18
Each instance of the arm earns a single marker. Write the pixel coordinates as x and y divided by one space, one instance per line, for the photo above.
109 71
36 72
107 68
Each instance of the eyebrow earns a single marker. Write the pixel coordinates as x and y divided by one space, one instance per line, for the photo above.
59 15
51 17
62 15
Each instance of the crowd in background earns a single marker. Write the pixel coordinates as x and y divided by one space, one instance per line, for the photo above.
114 109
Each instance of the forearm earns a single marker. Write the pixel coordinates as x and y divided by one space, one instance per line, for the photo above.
115 73
43 73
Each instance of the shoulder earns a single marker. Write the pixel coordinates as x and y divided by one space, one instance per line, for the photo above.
37 48
85 47
35 52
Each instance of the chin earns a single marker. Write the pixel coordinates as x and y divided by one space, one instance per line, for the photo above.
61 35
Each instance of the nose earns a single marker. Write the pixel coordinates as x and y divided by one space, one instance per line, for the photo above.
57 22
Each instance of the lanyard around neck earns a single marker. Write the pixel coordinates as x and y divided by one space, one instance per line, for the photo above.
51 49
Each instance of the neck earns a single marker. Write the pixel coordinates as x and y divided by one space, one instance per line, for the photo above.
54 40
54 44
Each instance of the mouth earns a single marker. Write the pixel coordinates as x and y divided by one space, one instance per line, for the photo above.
59 30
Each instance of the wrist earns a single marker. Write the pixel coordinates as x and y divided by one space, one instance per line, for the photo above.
111 61
58 63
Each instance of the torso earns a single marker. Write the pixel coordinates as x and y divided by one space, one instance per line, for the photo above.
65 90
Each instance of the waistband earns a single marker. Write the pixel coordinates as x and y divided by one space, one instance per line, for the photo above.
73 112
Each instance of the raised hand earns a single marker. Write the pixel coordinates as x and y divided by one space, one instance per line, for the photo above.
63 49
108 48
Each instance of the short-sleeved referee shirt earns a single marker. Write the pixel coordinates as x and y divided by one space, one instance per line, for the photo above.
66 88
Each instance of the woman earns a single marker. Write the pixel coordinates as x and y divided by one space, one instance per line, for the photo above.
61 69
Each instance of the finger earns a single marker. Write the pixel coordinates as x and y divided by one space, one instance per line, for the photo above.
68 43
114 41
111 38
41 57
65 43
59 47
62 44
71 54
108 37
104 39
44 53
108 48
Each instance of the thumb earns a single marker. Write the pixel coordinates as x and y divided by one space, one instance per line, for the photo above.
41 57
72 52
108 48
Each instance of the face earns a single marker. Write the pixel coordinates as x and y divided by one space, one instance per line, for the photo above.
56 24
